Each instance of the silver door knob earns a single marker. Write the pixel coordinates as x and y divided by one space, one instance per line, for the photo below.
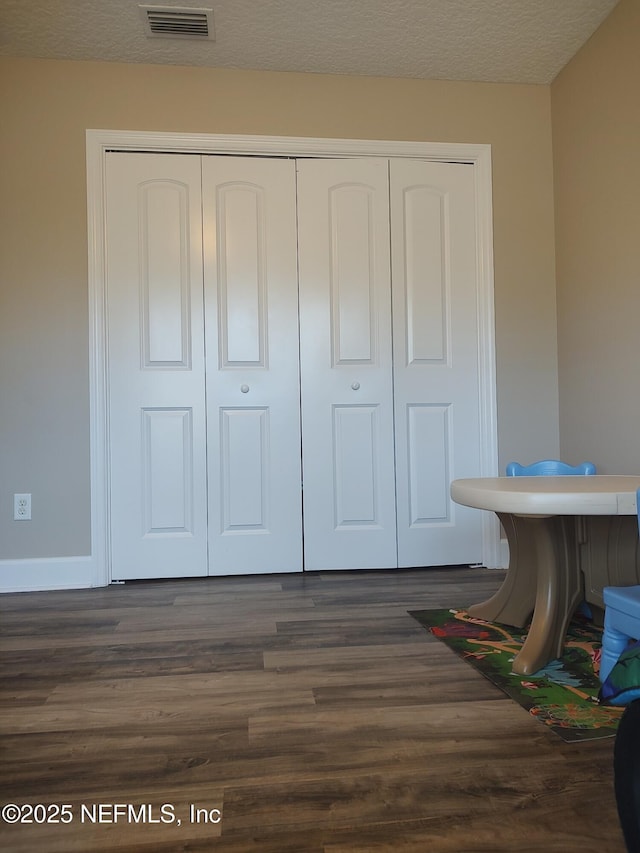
244 388
355 385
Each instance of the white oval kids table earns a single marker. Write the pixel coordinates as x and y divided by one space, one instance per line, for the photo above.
568 538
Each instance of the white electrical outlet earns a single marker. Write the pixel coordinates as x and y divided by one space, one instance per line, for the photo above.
22 507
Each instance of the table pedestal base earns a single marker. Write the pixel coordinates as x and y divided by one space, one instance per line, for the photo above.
544 578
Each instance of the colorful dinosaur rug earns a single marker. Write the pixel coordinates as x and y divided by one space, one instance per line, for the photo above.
563 695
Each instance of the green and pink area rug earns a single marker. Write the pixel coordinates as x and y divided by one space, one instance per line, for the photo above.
563 695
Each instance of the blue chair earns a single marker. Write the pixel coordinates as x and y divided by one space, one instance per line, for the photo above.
621 619
548 468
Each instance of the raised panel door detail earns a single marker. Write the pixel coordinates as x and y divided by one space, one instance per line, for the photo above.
242 274
355 460
253 382
436 371
428 446
244 452
163 209
426 239
352 274
167 453
346 364
156 381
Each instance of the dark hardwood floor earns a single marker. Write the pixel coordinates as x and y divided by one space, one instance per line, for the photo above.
278 714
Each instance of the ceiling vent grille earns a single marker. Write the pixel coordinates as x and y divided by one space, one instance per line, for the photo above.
178 22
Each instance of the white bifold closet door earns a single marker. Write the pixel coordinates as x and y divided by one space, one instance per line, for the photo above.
204 450
252 365
212 263
436 378
157 420
389 361
346 364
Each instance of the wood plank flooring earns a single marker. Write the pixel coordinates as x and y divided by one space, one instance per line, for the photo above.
289 714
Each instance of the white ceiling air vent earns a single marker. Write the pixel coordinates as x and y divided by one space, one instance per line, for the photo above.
177 22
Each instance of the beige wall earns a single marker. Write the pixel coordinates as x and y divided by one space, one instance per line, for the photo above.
596 141
46 107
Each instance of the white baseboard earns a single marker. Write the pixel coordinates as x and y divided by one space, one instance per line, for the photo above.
48 573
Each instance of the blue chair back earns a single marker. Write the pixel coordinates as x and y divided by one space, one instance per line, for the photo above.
548 468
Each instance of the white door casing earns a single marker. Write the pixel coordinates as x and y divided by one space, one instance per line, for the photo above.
156 366
99 143
253 398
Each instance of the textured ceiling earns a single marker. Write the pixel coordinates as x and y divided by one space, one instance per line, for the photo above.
510 41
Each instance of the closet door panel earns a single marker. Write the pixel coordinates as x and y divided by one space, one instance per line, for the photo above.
345 339
437 416
155 366
428 459
253 397
355 430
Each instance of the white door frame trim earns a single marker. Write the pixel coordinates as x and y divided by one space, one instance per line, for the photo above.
99 142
